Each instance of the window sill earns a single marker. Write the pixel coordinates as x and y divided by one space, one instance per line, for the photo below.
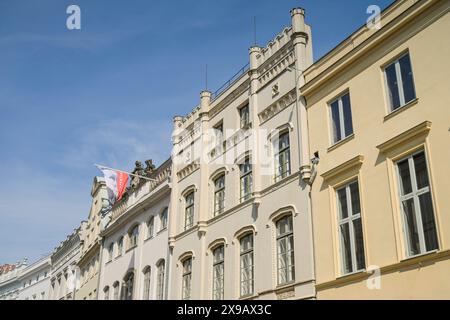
162 230
131 248
351 274
420 255
248 297
401 109
118 256
149 238
341 142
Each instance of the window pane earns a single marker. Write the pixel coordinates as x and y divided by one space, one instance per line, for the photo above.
429 226
336 123
346 248
407 78
347 115
420 166
405 177
392 83
359 244
342 199
411 227
354 192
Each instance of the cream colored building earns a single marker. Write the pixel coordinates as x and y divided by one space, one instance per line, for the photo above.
240 220
64 271
89 262
134 250
378 115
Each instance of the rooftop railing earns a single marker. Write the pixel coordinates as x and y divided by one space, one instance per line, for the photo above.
230 82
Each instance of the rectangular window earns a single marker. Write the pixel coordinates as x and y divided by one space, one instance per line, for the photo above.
285 250
418 215
246 259
189 211
244 114
350 229
341 118
187 277
218 273
400 82
245 179
219 195
283 157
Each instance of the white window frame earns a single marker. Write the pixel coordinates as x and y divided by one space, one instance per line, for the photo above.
219 196
244 118
249 284
163 218
189 211
151 227
398 74
415 194
245 194
160 280
350 221
186 279
218 292
147 279
285 150
341 118
281 237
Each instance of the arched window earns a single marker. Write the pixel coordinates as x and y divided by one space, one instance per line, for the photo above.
147 274
120 247
246 265
218 272
186 279
160 280
285 250
246 179
219 195
163 219
116 290
150 227
110 252
128 286
106 292
189 211
133 237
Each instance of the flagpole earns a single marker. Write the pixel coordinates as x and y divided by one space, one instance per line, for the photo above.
131 174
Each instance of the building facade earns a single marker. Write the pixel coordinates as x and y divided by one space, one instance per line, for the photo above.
64 271
378 119
35 280
240 217
89 262
9 280
134 250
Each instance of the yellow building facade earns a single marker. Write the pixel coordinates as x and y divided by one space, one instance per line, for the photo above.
378 108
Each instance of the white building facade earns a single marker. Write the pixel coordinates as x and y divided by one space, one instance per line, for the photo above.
9 280
35 280
240 216
134 254
64 271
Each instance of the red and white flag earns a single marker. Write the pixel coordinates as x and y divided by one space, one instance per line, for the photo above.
116 183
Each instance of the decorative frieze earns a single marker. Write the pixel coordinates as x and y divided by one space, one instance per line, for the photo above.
277 106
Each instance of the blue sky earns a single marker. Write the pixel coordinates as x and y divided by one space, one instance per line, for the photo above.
107 93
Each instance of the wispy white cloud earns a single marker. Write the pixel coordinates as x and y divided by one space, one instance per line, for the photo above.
118 143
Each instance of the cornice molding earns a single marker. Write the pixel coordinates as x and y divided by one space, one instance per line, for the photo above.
421 130
348 165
